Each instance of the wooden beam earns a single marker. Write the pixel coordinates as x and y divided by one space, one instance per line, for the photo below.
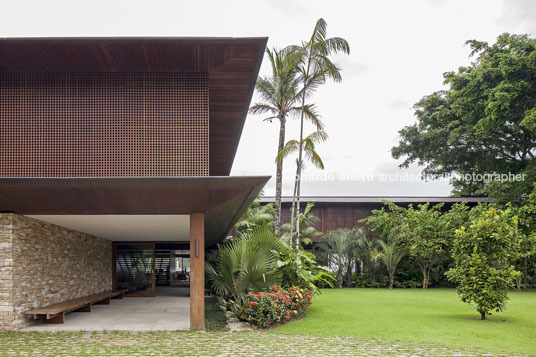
197 271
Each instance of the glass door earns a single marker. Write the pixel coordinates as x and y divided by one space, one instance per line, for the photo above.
134 268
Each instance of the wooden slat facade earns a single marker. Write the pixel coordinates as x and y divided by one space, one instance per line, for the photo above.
345 212
230 64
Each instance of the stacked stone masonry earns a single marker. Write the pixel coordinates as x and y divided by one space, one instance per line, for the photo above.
42 264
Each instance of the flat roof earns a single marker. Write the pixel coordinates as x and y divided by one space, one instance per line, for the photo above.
380 199
232 65
222 199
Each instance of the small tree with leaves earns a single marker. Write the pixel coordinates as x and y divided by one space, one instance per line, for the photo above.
426 234
483 254
391 254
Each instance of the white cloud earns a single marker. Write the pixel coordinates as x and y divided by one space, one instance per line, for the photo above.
520 15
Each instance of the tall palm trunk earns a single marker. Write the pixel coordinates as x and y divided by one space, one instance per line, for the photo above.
297 184
279 176
293 215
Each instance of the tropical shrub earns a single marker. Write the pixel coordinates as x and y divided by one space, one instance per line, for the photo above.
277 305
247 263
256 215
484 253
341 247
299 268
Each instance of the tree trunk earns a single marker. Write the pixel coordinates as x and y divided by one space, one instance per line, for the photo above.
300 160
294 214
518 283
349 273
339 277
298 184
424 277
482 315
279 177
391 279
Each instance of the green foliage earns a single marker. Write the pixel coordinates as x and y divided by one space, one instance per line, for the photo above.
391 254
423 232
426 234
280 100
483 254
308 222
256 215
483 123
387 222
277 305
342 248
246 263
314 69
299 268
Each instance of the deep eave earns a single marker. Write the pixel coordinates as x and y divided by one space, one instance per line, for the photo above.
232 65
222 199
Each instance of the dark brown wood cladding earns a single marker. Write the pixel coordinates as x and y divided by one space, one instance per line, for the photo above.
223 199
335 215
103 124
232 65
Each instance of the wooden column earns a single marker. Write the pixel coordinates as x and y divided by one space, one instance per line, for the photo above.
197 271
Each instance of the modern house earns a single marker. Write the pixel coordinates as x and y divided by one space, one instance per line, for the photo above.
336 212
115 155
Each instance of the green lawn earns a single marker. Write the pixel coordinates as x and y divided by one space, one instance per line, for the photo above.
413 315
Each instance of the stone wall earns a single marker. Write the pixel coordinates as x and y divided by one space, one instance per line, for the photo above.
7 310
48 264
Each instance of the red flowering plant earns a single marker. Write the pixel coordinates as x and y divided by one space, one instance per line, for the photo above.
276 305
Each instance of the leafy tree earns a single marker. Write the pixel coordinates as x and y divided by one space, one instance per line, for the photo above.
280 100
387 222
243 264
314 69
426 235
485 122
424 231
483 254
526 261
391 255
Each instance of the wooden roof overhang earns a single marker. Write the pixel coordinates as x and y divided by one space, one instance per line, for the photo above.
232 65
222 199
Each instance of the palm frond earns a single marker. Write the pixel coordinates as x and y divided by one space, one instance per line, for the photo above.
290 147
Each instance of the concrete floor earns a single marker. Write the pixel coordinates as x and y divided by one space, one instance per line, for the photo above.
169 310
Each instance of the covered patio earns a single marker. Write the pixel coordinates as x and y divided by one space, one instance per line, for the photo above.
169 310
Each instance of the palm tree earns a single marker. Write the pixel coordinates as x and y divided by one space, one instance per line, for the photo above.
314 69
307 146
391 255
280 99
244 264
339 246
370 255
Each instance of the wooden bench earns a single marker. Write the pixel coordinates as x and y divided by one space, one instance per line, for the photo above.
55 314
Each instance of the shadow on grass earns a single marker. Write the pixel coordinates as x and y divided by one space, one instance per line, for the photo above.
214 316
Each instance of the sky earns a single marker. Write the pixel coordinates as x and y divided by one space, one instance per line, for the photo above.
399 52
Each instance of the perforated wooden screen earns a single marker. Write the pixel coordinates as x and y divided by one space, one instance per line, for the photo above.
103 124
